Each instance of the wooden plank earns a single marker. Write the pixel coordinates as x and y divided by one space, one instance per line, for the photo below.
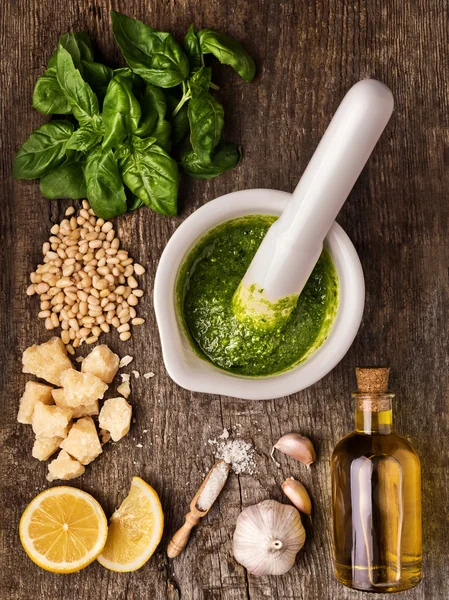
308 54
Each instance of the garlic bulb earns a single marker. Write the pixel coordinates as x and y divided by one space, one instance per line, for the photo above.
267 537
297 446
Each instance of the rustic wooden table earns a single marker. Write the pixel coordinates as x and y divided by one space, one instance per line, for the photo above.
308 55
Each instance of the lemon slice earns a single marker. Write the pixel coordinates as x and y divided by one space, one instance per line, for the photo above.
63 529
135 529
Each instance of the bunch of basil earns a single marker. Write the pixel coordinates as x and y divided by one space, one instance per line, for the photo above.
130 119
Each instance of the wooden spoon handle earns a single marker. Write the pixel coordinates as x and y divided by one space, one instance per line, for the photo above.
181 537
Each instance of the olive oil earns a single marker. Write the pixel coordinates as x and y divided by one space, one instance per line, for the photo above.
376 496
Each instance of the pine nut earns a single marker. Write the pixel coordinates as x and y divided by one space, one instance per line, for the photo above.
65 337
43 314
63 282
107 226
132 282
45 305
48 324
132 312
70 349
138 293
125 336
115 322
132 300
129 271
101 284
31 290
138 269
74 324
54 319
105 327
96 331
69 211
138 321
92 339
41 288
123 328
55 229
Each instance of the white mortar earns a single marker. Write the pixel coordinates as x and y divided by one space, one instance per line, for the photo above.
187 369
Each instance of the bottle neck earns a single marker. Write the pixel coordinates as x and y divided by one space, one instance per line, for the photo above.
373 413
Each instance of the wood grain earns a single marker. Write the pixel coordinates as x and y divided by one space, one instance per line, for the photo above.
308 54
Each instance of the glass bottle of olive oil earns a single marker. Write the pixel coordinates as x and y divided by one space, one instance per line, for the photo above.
376 496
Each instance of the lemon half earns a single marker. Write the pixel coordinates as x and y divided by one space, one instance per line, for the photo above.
135 529
63 529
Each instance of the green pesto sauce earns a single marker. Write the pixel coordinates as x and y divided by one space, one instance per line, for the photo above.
205 287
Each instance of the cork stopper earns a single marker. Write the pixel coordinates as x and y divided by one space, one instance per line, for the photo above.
372 381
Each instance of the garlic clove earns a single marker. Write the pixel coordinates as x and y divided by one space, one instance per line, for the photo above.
267 538
297 446
298 495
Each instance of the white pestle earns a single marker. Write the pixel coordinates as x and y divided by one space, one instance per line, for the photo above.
292 246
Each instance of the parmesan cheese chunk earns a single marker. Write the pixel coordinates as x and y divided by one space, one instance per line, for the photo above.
82 442
50 421
64 467
102 363
44 447
34 392
81 388
83 410
115 417
47 360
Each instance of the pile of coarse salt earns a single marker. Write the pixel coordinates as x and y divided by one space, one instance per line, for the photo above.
213 486
240 455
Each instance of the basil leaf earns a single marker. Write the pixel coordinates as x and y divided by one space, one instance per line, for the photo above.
132 202
66 181
180 122
121 112
79 47
225 159
79 94
206 119
162 133
228 51
84 139
84 45
192 48
150 173
200 80
104 186
153 122
154 55
97 76
153 106
44 150
48 97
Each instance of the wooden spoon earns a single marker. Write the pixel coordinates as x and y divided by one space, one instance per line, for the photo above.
181 537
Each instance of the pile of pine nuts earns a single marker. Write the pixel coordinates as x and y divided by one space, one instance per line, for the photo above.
86 283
